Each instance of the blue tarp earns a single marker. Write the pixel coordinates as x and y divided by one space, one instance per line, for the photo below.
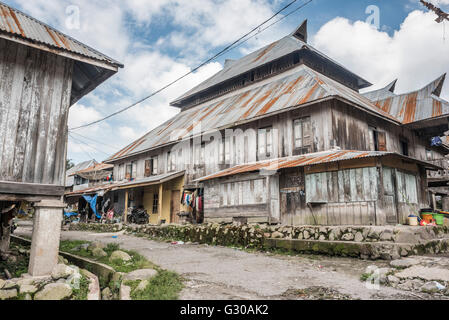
70 214
93 204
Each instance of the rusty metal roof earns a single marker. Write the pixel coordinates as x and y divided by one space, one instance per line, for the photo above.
271 52
153 180
95 167
414 106
305 160
26 28
299 86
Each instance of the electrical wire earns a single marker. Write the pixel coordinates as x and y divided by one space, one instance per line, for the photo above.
93 148
226 49
93 140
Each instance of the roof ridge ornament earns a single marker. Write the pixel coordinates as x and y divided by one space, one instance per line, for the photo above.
301 32
438 83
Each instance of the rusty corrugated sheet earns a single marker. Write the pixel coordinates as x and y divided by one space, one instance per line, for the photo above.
301 161
19 24
298 86
95 167
271 52
414 106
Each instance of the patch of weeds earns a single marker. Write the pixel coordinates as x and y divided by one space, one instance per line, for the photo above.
137 261
365 276
166 285
17 268
81 293
74 247
316 293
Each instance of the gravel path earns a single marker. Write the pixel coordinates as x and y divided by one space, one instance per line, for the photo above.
226 273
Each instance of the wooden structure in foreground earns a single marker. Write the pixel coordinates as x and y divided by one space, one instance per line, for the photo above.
42 73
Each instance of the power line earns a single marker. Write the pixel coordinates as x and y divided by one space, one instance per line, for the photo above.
84 150
93 140
93 148
229 47
262 30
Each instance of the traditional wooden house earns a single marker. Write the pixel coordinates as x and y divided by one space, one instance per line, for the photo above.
42 73
284 136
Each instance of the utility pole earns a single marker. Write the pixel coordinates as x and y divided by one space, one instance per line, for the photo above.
440 13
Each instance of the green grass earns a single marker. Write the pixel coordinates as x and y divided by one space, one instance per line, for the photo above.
81 293
137 261
15 268
166 285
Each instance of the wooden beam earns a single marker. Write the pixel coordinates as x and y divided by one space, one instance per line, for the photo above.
159 205
126 206
32 189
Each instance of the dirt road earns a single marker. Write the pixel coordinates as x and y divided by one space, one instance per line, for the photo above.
226 273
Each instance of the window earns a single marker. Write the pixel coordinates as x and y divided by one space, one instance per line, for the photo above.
121 172
228 150
151 167
379 139
404 147
265 142
134 170
155 203
129 170
429 155
302 130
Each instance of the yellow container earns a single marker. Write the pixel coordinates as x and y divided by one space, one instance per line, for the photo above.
412 221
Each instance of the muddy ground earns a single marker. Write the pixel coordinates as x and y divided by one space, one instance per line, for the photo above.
226 273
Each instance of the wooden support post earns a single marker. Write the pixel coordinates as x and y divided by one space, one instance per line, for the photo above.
126 207
159 205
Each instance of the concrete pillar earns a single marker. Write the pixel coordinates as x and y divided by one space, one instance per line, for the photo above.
445 203
46 237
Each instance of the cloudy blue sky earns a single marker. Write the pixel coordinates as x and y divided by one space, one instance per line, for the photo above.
160 40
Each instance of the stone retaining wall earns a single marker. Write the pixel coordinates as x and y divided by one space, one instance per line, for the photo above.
374 242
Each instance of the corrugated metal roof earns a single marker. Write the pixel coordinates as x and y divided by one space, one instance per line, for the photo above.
128 184
93 190
70 180
271 52
302 161
298 86
414 106
382 93
19 24
94 168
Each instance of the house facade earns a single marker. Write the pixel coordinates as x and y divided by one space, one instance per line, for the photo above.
284 136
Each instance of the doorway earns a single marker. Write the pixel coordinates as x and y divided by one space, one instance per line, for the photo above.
175 206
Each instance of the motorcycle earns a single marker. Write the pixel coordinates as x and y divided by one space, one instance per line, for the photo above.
139 216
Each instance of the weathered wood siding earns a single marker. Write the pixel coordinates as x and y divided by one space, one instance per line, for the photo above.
35 88
243 196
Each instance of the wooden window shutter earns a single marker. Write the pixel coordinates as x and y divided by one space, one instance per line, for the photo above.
147 168
382 141
307 132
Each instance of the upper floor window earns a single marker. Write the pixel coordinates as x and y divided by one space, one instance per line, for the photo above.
171 162
302 131
404 147
265 142
378 139
129 171
151 167
429 155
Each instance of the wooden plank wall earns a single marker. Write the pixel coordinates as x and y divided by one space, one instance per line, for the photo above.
35 88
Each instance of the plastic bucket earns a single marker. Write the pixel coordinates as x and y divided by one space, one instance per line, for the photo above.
412 221
439 218
427 217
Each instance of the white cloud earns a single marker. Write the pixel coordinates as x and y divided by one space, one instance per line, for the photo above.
416 53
